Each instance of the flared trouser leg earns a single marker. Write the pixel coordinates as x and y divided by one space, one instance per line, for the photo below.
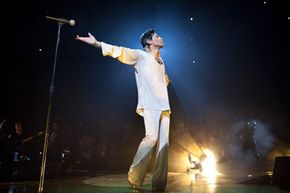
160 169
157 130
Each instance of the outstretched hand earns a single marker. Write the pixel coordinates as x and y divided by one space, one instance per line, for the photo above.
91 40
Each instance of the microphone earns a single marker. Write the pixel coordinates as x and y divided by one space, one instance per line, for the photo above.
62 20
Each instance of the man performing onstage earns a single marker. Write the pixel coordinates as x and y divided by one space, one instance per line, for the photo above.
153 105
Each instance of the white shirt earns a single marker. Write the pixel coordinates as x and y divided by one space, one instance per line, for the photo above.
150 76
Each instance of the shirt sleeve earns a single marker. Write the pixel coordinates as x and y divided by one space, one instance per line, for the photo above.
124 55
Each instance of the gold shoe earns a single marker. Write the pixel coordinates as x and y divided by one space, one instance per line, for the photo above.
133 186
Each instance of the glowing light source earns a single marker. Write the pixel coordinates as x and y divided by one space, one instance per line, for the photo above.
209 166
205 166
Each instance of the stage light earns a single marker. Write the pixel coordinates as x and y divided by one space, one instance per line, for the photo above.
208 164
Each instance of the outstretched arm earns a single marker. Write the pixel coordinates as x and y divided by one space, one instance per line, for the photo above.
124 55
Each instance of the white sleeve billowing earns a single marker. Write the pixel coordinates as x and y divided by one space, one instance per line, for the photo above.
124 55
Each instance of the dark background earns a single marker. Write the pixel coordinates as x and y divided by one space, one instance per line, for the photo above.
228 63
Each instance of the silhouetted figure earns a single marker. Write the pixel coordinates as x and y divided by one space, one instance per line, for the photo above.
15 138
247 137
18 154
54 155
9 154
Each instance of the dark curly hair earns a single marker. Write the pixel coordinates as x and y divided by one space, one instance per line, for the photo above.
147 35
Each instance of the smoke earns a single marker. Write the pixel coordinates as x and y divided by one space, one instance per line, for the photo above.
263 142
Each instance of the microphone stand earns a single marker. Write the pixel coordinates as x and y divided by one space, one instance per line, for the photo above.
48 118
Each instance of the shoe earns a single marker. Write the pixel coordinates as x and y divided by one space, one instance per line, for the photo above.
133 186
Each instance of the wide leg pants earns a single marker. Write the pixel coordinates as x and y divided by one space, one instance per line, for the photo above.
156 138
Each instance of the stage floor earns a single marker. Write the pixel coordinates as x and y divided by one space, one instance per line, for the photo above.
239 181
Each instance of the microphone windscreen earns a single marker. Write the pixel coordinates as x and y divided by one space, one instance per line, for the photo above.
72 22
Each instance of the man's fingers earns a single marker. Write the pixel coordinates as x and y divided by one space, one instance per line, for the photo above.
78 37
